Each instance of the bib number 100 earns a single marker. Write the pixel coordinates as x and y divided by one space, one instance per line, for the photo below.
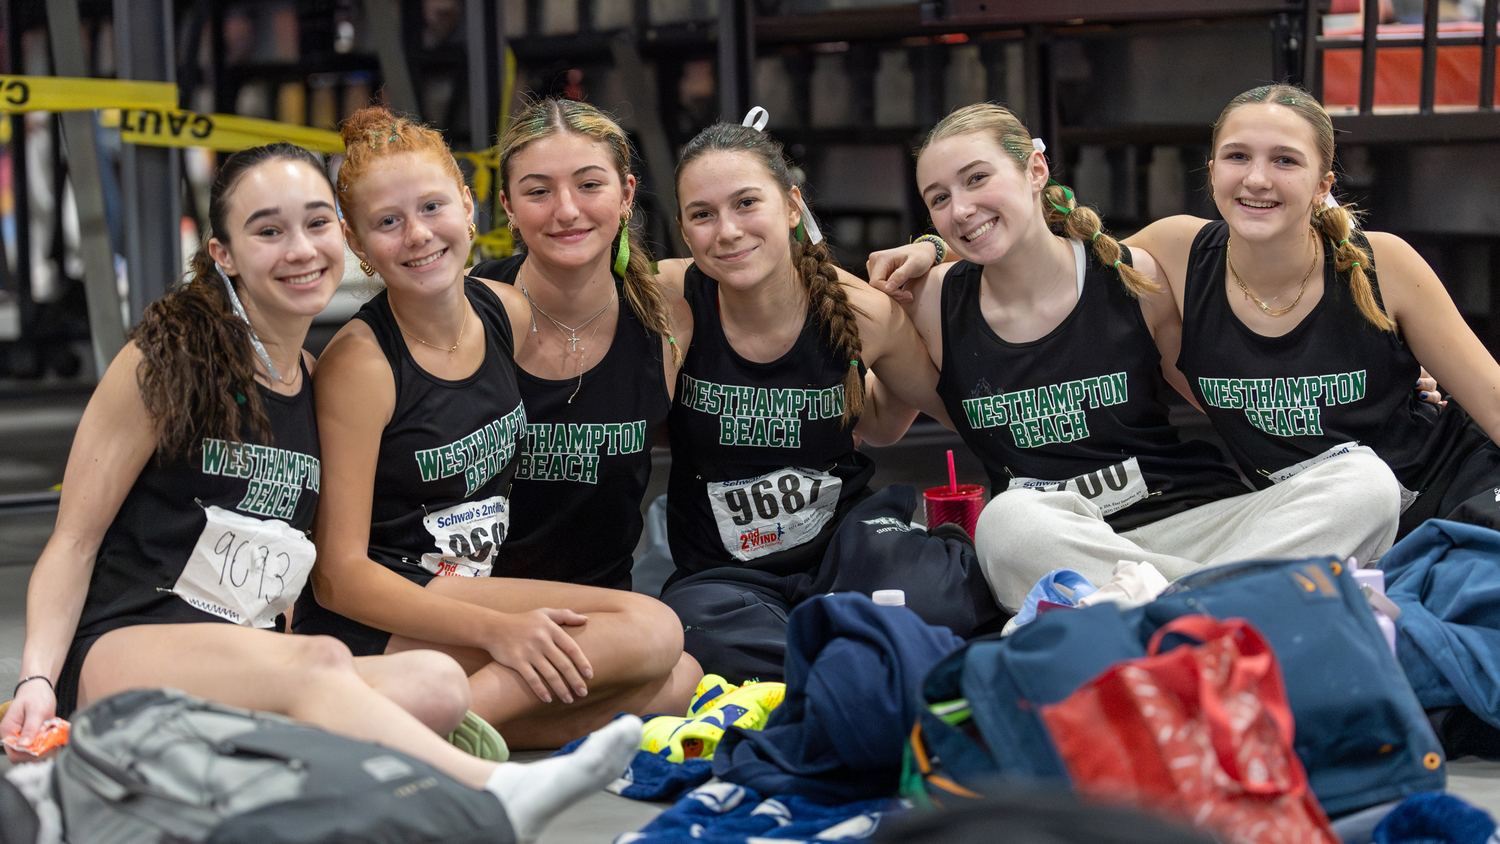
769 500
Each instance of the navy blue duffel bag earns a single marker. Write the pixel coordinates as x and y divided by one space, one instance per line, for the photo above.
1361 733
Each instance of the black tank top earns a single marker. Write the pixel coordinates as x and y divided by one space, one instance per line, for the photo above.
446 459
576 504
148 544
1078 409
758 449
1279 401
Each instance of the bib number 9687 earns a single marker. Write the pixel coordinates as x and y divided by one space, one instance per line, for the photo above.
778 510
767 501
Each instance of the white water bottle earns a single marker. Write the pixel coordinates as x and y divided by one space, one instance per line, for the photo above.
1372 581
889 598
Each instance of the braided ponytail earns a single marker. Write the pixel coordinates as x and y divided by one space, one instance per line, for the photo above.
1081 223
1335 224
814 262
832 309
546 117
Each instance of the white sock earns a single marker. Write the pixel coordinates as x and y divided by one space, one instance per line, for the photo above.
537 792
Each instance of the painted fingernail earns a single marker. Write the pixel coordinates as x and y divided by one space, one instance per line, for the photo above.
1424 394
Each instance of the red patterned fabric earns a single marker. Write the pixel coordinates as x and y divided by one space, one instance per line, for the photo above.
1200 732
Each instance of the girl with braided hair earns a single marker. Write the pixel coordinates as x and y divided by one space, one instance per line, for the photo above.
770 400
1294 347
1053 341
604 344
423 427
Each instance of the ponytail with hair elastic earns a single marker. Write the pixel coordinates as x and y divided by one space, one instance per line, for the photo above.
837 315
1067 218
645 296
1336 224
197 369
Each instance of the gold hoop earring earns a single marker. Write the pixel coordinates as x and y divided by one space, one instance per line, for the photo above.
511 224
368 270
473 231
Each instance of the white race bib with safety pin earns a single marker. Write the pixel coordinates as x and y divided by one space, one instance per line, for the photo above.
245 570
468 537
1111 489
778 510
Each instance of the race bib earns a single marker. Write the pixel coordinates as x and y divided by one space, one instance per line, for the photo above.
1407 496
468 537
778 510
245 570
1111 489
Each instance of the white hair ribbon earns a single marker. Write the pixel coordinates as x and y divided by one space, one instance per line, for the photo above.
756 118
1329 201
239 309
1038 144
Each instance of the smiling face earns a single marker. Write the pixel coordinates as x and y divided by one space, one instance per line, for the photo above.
1267 173
284 246
981 200
736 219
566 198
410 220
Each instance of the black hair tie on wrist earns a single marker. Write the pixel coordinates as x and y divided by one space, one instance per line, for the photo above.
25 680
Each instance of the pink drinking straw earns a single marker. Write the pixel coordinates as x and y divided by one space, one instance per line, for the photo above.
952 475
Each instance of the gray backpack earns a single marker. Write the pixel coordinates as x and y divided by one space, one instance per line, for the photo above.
162 766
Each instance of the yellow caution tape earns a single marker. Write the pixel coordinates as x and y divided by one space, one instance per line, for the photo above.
225 132
485 162
493 244
66 93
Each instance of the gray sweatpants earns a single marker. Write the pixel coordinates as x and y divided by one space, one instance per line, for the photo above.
1345 506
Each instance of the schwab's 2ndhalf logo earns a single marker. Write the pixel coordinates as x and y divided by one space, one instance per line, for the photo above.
761 538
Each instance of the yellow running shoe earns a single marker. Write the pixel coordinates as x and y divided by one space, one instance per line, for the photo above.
697 736
709 689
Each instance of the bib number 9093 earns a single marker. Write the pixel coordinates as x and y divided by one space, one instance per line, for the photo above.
244 569
778 510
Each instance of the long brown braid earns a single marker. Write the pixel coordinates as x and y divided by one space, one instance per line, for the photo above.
814 262
197 369
1335 225
1065 217
546 117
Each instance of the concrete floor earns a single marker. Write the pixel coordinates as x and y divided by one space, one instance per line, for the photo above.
36 431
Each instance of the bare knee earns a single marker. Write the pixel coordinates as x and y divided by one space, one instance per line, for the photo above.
656 634
428 684
321 654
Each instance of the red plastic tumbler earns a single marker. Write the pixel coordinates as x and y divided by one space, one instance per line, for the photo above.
960 506
956 502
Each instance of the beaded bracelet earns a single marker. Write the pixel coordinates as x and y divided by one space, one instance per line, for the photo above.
937 243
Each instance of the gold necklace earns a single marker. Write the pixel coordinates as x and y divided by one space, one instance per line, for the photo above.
449 349
1269 311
